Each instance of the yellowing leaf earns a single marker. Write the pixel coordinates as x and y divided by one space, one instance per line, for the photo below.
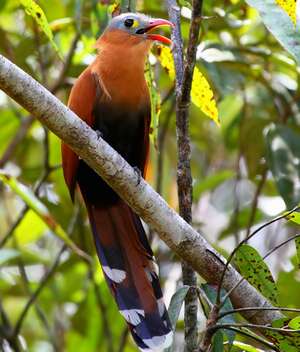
289 7
203 97
34 10
201 94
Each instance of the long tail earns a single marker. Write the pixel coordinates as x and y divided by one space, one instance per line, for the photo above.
128 264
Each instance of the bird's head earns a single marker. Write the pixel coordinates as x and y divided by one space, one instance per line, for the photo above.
135 28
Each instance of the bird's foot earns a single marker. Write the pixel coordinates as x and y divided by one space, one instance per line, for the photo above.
139 174
99 134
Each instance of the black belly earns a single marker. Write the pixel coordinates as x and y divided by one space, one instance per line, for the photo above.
124 131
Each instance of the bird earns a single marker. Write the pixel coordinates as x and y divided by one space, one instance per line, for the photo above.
111 95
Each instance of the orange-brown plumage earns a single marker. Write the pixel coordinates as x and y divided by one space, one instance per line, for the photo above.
112 96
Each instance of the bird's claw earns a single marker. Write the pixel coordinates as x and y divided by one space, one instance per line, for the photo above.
139 174
99 134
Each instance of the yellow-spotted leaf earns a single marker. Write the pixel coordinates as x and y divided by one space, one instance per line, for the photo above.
35 11
289 7
201 94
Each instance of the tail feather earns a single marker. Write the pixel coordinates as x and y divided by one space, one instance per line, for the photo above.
128 265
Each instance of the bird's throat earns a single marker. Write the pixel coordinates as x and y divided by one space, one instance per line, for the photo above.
121 72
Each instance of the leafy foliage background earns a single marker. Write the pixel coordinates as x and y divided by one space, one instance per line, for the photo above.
245 171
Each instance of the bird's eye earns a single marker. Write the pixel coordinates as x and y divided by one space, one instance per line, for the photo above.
129 22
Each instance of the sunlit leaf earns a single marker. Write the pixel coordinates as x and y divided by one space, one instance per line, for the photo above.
245 347
34 10
297 242
256 271
40 209
295 323
290 7
31 228
294 217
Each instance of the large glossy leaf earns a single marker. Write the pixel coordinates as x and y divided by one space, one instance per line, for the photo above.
256 271
279 24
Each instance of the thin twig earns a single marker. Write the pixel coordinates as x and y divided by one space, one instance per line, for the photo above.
35 295
184 78
249 309
254 326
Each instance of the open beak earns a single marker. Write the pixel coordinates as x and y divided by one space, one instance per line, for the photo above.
157 23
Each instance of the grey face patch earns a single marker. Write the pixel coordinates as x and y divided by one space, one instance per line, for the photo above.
132 23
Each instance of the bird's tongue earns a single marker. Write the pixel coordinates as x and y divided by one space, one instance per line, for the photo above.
159 38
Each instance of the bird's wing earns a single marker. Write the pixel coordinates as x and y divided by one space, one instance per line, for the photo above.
81 101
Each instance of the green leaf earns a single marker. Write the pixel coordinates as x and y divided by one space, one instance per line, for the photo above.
40 209
176 304
211 292
35 11
279 24
295 323
294 217
217 343
211 182
155 103
255 270
8 254
283 151
297 243
175 307
31 228
285 341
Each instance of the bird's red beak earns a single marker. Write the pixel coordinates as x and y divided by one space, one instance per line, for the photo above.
157 23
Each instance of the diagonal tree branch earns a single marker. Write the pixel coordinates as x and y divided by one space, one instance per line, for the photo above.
171 228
